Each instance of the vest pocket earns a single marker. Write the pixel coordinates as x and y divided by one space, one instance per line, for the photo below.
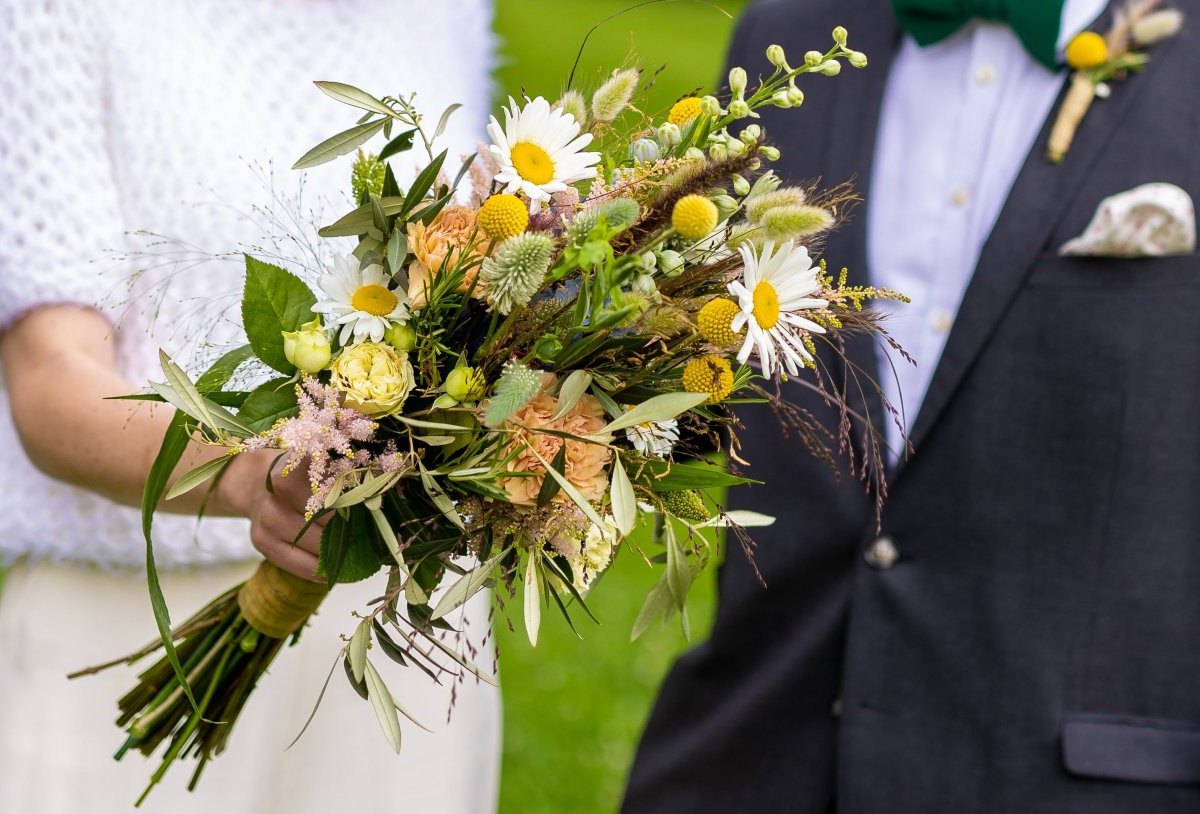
1134 750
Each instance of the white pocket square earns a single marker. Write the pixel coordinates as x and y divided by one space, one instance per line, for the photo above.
1153 220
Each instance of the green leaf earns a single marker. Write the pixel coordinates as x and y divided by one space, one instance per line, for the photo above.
388 645
550 486
360 687
397 250
175 442
348 552
357 651
423 183
180 392
201 474
466 586
572 389
369 488
268 403
223 369
444 120
384 706
657 603
533 597
358 221
439 497
400 144
663 476
624 502
350 95
658 408
344 142
571 491
274 301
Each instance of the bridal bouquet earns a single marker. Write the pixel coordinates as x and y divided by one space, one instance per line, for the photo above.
514 363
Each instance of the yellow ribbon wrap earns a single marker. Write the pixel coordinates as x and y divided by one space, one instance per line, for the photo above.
277 604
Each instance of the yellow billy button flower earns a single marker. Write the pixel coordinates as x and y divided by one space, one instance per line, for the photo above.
503 216
694 217
709 374
684 111
1086 51
716 322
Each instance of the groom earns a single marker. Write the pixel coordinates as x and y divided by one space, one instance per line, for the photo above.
1022 634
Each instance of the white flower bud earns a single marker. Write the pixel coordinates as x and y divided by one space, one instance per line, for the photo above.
726 205
669 134
739 109
648 260
751 134
736 147
737 81
1157 26
795 96
645 150
839 35
813 58
857 59
781 99
740 185
693 154
1103 90
670 262
717 151
830 68
777 57
711 106
768 152
307 348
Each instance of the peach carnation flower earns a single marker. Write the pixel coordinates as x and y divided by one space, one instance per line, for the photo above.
585 463
450 235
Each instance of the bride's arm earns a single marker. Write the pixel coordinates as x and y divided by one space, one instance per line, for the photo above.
60 367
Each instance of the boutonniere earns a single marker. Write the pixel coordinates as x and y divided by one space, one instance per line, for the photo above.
1098 60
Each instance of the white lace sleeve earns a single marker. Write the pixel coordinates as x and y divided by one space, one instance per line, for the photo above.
59 204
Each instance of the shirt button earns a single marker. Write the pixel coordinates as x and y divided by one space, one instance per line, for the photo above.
985 75
882 554
835 709
960 197
941 322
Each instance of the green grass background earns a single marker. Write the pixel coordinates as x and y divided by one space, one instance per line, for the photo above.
573 709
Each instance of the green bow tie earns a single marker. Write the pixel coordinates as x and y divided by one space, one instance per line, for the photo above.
1035 22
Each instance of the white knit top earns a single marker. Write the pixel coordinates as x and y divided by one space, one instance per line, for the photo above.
164 116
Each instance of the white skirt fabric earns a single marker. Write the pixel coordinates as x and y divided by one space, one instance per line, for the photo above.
57 737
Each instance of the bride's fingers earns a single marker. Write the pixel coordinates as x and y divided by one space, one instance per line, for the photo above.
293 489
281 521
290 558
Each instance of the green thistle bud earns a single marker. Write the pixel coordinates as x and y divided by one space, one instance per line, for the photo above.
686 504
517 386
613 96
581 226
516 270
366 176
621 213
401 337
793 222
572 102
840 34
777 57
465 384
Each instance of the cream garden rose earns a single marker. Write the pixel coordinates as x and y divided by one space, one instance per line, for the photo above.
374 378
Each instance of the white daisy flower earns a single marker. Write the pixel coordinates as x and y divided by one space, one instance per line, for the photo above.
360 301
654 438
539 151
776 286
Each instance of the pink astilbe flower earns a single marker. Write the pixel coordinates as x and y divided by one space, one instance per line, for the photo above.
323 435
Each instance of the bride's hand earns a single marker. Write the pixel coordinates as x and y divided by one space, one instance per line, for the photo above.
276 516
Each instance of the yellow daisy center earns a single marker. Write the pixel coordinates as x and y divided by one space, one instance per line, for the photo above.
684 111
375 300
532 163
1087 50
503 216
766 305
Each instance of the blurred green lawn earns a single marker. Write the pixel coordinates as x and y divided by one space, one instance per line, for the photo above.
573 709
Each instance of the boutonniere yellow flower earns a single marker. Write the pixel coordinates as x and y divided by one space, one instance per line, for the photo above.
1098 60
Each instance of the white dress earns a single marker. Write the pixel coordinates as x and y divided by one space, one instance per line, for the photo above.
180 118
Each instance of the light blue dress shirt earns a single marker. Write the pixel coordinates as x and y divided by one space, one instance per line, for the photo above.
958 120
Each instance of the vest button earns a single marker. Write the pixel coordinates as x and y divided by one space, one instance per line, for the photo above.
882 554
